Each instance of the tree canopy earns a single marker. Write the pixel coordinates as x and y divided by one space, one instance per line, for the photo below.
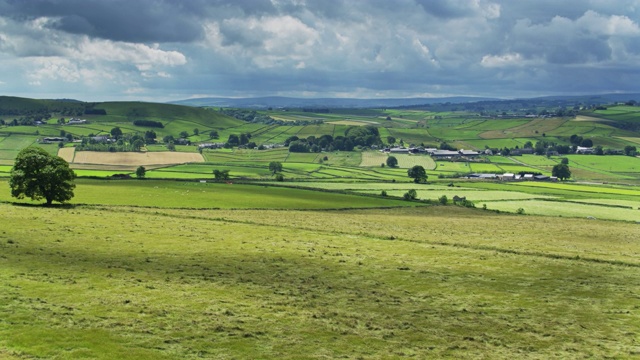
561 171
141 172
392 161
275 167
418 174
38 174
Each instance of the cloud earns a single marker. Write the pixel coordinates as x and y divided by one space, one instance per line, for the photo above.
165 48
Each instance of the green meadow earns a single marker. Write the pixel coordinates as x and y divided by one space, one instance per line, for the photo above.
330 262
125 282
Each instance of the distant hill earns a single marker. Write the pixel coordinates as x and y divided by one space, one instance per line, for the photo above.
115 112
290 102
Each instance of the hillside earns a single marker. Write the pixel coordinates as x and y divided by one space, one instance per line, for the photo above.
280 102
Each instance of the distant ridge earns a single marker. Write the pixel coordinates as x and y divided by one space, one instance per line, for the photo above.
283 102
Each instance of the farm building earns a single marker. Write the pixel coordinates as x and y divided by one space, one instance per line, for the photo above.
584 150
211 146
49 140
74 121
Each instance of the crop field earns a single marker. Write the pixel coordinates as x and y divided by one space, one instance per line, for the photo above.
67 153
135 158
243 155
241 284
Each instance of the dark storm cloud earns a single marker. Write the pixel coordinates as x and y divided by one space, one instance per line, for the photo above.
120 20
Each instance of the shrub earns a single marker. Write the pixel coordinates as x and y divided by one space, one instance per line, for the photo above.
443 199
410 195
520 211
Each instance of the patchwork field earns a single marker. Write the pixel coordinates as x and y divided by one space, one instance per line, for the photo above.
135 158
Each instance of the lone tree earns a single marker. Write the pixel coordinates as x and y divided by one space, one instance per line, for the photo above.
38 174
392 161
221 174
275 167
116 132
561 171
141 172
418 174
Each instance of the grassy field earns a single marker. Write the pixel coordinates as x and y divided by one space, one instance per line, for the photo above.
161 194
423 283
566 209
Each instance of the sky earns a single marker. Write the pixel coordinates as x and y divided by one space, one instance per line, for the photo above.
162 50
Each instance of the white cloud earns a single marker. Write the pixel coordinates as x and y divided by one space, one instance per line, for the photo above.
506 60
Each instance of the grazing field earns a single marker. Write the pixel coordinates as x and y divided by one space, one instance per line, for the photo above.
406 161
566 209
373 158
615 164
135 158
157 193
10 146
437 283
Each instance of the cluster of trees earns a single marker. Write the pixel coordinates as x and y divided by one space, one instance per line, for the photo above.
577 140
25 120
119 142
240 140
354 136
148 123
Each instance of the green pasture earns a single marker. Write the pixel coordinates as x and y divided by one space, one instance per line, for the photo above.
626 191
498 159
341 158
614 164
443 282
485 168
566 209
538 160
303 157
479 144
172 194
406 161
451 166
10 146
520 168
412 136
